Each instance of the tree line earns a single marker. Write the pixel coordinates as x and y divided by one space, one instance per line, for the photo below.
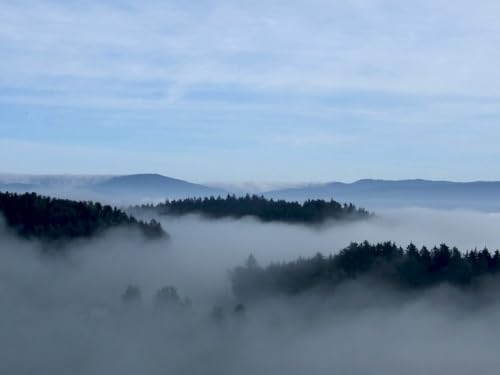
309 212
410 268
51 219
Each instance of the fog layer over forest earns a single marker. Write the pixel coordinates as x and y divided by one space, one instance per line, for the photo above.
231 241
63 314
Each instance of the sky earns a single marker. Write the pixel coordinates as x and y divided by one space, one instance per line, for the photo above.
289 91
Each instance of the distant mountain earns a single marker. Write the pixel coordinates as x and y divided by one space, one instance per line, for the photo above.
371 194
126 189
17 187
153 186
48 181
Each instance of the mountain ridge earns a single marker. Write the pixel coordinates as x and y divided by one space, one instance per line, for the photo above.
373 193
131 188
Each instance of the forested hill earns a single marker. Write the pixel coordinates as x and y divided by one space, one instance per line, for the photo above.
409 268
50 219
309 212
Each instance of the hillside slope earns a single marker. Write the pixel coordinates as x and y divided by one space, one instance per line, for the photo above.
36 217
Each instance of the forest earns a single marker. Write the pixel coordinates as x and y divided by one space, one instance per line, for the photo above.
409 269
32 216
309 212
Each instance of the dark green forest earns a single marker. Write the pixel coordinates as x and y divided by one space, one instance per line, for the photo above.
410 269
50 219
267 210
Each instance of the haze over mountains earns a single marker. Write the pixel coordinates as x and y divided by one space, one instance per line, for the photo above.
152 186
125 189
368 193
373 194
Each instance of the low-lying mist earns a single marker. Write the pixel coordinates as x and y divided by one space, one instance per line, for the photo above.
63 314
231 241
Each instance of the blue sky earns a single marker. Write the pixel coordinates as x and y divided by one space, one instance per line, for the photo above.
251 90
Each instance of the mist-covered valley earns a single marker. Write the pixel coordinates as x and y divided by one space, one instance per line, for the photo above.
68 312
249 187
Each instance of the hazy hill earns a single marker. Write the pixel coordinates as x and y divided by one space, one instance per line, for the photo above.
127 189
482 195
153 186
64 186
18 187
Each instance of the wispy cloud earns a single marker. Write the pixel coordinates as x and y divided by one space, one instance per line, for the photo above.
218 76
425 47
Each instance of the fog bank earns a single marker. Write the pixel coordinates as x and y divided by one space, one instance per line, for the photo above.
231 241
64 314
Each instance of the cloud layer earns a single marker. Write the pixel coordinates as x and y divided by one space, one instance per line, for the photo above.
427 47
64 314
320 79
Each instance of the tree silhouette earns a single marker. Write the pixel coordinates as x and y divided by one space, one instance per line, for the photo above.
309 212
51 219
386 263
132 296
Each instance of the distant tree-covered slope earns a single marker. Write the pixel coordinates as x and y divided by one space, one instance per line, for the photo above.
410 268
311 211
45 218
